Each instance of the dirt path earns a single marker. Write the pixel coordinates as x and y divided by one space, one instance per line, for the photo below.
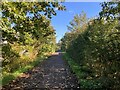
52 73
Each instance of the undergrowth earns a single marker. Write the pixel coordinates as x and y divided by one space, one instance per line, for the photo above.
8 77
84 77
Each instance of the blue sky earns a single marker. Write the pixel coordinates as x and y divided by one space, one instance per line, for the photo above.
63 18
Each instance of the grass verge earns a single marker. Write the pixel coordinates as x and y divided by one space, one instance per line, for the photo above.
84 78
7 77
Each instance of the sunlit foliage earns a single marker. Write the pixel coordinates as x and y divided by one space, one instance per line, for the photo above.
97 50
26 32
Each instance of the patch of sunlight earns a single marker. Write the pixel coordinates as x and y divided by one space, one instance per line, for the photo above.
21 70
17 73
28 66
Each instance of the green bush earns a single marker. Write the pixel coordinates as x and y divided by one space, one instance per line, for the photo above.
96 50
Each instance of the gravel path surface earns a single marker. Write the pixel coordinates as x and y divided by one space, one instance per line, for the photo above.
52 74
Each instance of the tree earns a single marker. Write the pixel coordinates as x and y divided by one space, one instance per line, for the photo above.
18 16
110 10
78 22
96 49
26 27
76 27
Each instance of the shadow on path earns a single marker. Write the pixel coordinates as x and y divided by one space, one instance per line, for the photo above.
52 73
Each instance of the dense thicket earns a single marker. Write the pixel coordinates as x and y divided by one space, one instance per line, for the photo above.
97 48
26 32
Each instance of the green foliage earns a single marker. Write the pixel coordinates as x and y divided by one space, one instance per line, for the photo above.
110 10
77 26
86 82
78 23
31 17
96 51
7 76
26 33
7 79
